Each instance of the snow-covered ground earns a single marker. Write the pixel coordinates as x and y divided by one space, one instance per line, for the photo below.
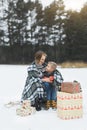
12 80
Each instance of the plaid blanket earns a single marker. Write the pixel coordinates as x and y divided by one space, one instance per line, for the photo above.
34 86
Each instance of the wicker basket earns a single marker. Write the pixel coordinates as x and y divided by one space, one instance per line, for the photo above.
71 87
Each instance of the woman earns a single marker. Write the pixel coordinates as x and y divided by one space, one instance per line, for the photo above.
34 90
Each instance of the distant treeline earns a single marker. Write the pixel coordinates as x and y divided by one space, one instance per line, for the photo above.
26 27
25 54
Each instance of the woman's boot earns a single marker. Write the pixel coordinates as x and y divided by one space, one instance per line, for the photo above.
37 104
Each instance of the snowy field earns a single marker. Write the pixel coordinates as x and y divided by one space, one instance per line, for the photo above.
12 80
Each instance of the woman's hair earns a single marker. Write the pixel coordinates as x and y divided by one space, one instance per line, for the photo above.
38 55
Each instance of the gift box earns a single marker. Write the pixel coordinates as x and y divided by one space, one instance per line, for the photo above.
25 112
69 106
25 109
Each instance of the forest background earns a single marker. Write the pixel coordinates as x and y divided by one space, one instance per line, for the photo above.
26 27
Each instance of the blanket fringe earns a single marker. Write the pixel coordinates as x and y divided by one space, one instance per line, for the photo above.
12 104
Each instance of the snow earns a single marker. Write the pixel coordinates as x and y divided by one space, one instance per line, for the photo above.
11 86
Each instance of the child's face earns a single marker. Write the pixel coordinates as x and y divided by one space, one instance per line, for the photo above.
49 68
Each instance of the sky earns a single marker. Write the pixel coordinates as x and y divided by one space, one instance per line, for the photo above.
12 81
70 4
